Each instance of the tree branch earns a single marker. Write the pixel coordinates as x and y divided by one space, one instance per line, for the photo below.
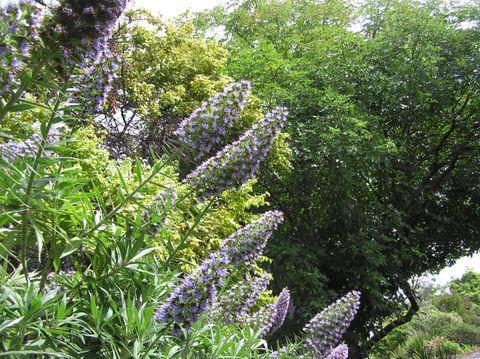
414 308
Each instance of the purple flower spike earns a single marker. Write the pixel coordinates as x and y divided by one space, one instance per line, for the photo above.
271 317
82 29
12 151
237 163
245 245
281 309
234 305
208 124
340 352
194 294
89 21
326 329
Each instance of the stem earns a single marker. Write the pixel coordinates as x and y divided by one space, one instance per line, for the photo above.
51 250
31 180
185 237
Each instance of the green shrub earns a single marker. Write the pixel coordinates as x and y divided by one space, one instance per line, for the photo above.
460 304
417 347
433 323
463 334
444 348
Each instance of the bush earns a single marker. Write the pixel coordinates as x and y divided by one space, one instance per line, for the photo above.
417 347
463 334
433 323
460 304
445 349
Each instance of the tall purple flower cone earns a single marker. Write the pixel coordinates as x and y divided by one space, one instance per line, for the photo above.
194 294
237 163
206 130
28 148
82 29
19 27
245 245
85 22
234 305
340 352
326 329
281 310
271 317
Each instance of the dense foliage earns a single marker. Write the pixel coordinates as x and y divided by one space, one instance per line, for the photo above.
384 127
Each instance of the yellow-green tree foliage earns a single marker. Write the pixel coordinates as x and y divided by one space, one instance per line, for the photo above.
165 72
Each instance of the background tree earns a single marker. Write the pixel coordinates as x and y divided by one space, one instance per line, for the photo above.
384 127
468 287
165 72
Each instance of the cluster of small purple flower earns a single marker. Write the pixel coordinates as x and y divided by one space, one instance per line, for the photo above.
271 317
280 310
245 245
194 294
19 30
86 23
234 305
161 203
83 29
197 291
340 352
326 329
274 355
97 81
11 151
52 284
236 163
206 129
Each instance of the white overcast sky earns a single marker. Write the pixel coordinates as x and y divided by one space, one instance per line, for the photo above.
173 8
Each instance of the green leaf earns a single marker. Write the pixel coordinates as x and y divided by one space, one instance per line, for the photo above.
40 239
10 323
61 310
71 246
21 107
26 77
